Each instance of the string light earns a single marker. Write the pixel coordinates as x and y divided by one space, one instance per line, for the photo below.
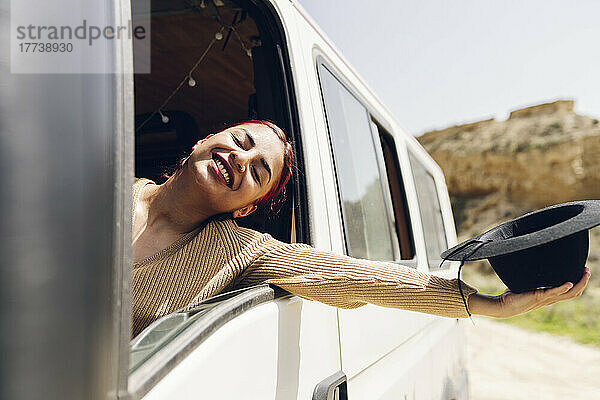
163 117
242 44
188 77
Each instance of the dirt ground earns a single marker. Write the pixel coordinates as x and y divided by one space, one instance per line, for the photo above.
506 362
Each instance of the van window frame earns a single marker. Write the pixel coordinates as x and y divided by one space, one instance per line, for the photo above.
167 358
375 118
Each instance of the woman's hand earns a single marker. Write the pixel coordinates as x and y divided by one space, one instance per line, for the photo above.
509 304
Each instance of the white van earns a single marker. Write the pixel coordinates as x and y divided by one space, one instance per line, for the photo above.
364 187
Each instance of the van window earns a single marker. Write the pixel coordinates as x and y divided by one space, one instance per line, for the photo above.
398 195
365 217
240 77
431 212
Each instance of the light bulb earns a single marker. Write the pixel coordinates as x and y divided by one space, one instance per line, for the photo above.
202 4
164 118
191 81
218 36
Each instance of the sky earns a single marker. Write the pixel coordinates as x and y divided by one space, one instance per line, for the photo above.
437 63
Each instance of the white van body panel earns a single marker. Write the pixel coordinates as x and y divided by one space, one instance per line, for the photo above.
424 367
278 350
222 366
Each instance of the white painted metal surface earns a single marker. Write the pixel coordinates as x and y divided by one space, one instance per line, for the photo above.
429 365
279 350
225 366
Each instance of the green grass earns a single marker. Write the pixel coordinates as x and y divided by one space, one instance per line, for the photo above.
578 318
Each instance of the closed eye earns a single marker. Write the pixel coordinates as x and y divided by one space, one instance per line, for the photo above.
237 141
256 176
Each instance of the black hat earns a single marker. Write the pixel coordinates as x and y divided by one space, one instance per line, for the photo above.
544 248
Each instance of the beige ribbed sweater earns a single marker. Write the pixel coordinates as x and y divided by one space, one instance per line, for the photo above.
223 256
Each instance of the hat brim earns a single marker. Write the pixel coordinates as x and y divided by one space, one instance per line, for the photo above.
530 230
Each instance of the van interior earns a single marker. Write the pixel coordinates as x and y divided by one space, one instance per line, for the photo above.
213 63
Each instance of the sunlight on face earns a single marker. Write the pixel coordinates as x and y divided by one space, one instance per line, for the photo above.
238 166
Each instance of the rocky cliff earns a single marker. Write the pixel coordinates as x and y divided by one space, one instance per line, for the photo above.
498 170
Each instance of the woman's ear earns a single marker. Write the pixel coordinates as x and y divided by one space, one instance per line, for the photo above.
244 211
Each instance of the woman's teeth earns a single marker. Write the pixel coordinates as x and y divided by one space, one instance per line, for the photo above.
223 171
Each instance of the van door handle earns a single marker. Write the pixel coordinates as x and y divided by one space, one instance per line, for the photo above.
332 388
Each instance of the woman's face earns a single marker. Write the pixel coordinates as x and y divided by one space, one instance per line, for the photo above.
237 166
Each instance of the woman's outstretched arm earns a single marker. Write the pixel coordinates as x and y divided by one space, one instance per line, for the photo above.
347 282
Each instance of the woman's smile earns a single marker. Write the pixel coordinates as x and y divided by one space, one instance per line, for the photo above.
222 169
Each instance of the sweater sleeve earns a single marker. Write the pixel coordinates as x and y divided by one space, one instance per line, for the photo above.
346 282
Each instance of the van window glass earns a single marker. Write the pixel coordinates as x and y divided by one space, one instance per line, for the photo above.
365 215
398 195
431 212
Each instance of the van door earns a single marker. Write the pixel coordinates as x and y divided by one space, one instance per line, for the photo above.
369 334
385 353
